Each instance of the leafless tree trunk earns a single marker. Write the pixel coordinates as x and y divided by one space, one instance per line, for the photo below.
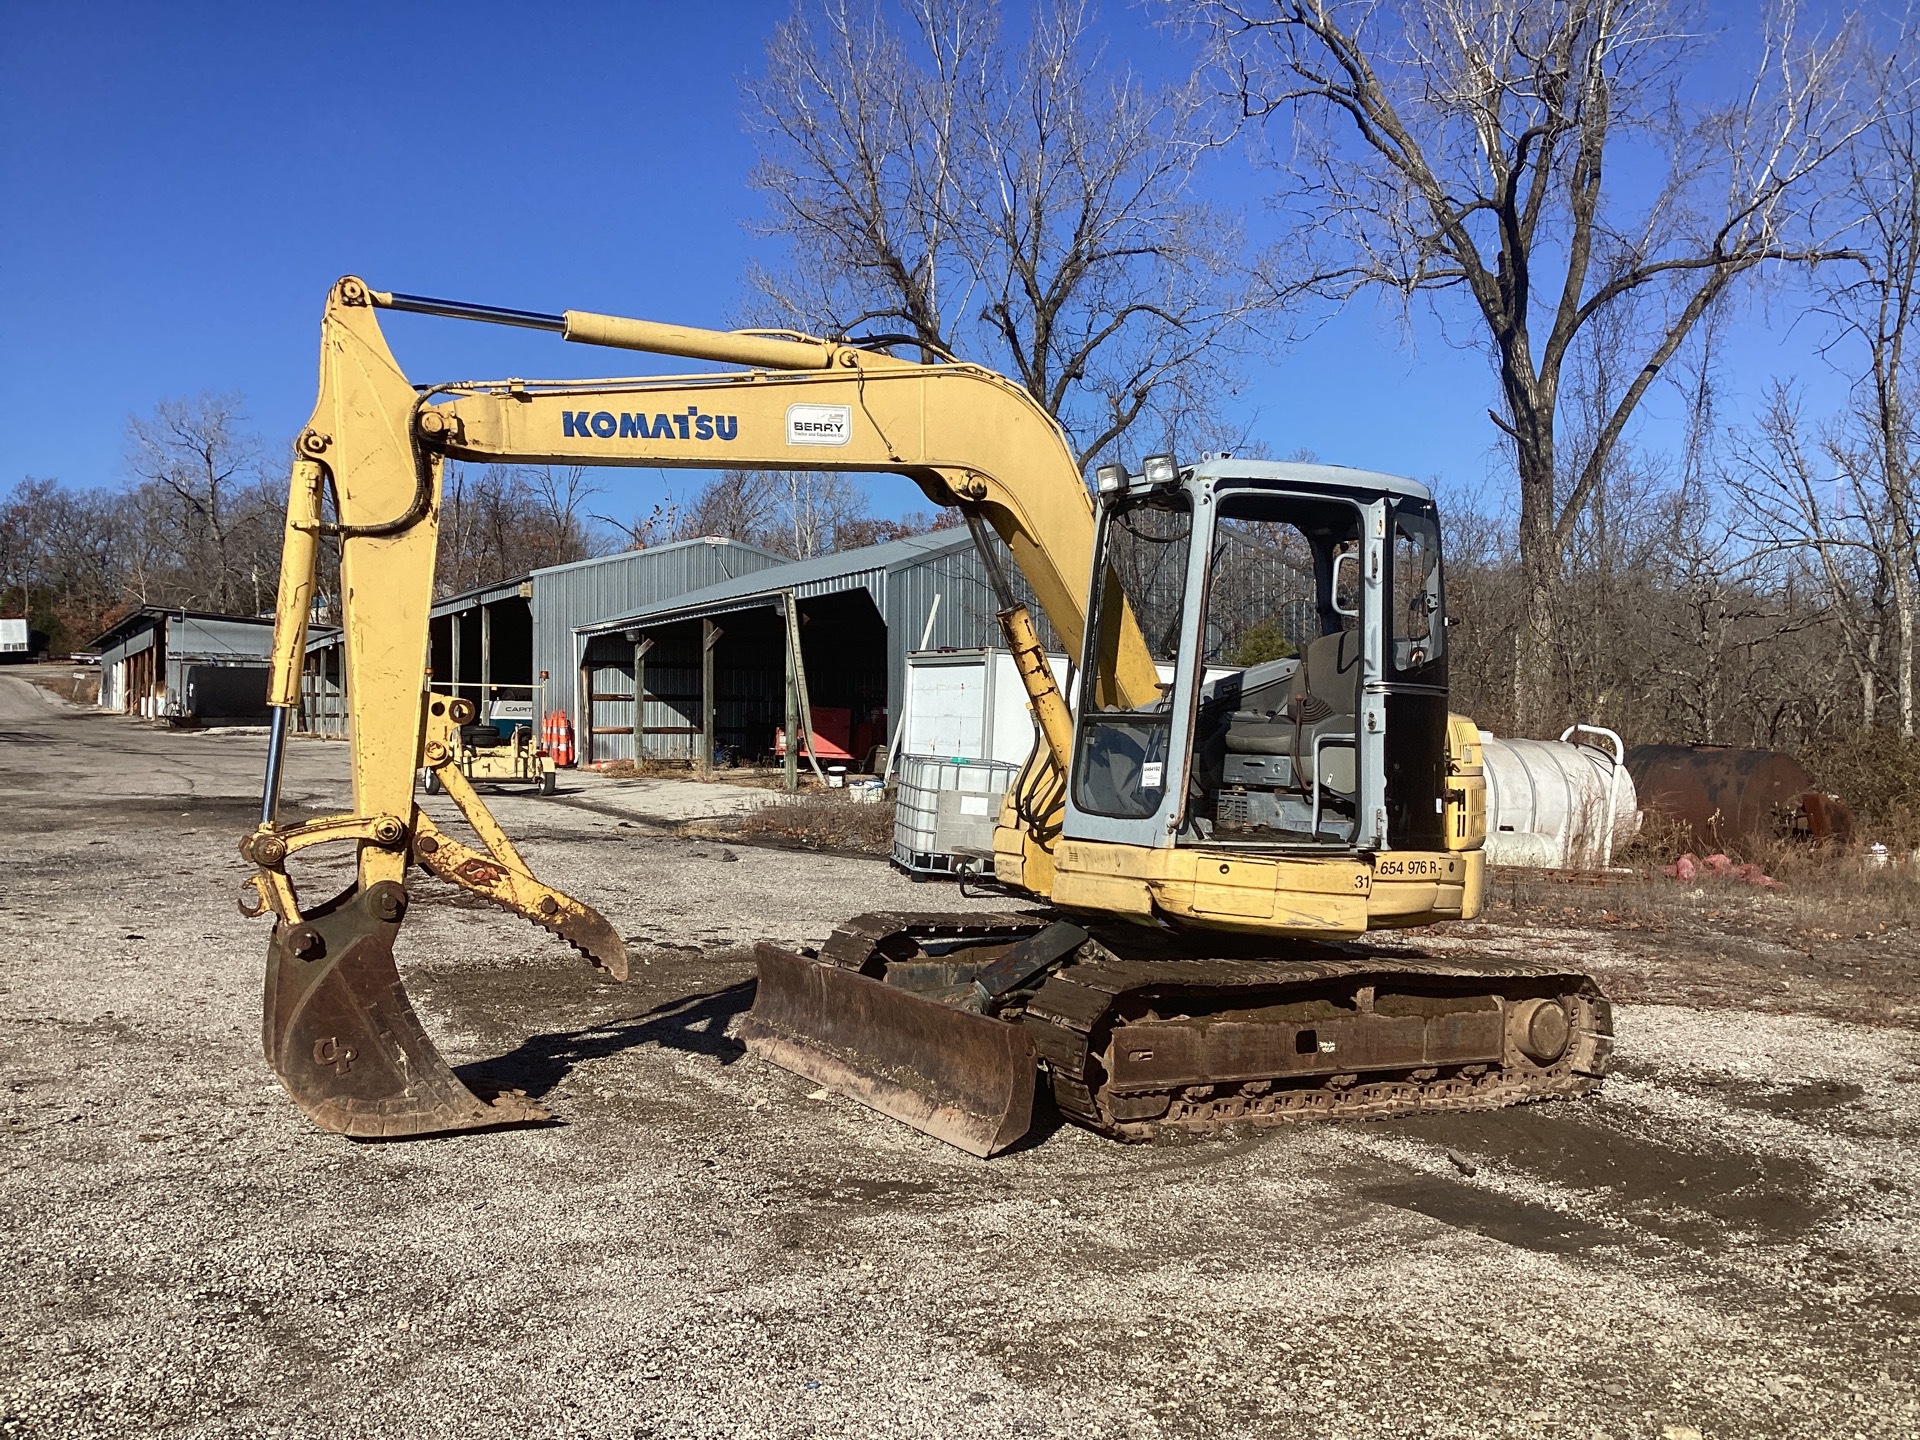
1028 206
1792 503
1463 148
1841 495
197 452
1872 298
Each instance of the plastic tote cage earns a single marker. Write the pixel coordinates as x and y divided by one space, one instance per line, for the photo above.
945 811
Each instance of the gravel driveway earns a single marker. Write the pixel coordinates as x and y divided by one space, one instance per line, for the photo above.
1724 1241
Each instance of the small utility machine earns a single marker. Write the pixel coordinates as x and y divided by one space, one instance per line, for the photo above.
502 749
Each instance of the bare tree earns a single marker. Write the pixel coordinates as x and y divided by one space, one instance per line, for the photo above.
197 458
1873 300
738 504
509 519
1794 504
1837 496
1463 150
796 513
1029 205
24 542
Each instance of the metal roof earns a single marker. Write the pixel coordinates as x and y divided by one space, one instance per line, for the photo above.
155 614
865 568
652 550
1312 477
513 589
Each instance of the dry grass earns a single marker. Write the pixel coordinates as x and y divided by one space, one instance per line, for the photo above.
82 686
1826 895
634 770
825 820
751 776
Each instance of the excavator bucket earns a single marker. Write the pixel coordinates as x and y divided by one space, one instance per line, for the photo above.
961 1077
345 1041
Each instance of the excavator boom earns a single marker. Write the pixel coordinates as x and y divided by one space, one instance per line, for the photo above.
339 1030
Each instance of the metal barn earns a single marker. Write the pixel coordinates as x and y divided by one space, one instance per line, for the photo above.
186 665
710 667
512 641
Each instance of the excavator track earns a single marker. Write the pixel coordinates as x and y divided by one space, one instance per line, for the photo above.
1139 1037
1134 1048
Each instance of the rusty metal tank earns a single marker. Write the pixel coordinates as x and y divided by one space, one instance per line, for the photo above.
1725 796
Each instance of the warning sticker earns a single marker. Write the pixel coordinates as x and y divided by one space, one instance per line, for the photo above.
1153 774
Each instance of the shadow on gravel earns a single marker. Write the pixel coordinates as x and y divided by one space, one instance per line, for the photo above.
696 1024
1691 1187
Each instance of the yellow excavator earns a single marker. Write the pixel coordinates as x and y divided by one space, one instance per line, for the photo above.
1256 767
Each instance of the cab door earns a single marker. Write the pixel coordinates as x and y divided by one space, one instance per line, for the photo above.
1414 688
1130 753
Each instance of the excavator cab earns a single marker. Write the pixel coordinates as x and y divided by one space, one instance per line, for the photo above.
1296 621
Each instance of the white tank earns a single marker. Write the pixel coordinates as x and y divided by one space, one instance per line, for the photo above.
1559 804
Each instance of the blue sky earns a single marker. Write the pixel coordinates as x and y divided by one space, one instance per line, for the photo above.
182 182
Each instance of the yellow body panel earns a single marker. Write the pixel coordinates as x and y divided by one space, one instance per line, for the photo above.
1466 806
1297 897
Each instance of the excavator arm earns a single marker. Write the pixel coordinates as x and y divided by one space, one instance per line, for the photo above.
339 1029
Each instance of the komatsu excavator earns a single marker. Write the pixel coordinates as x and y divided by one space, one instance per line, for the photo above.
1256 769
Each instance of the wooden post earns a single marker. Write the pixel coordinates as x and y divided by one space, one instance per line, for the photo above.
641 646
453 652
709 638
797 667
585 757
486 658
793 700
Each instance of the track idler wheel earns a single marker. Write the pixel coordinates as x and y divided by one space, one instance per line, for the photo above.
344 1039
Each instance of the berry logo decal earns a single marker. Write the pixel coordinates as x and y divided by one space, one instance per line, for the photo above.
819 424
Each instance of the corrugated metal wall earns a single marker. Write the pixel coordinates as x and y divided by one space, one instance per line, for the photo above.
179 639
571 595
126 645
966 617
197 639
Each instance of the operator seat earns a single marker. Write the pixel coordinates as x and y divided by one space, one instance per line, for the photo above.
1320 701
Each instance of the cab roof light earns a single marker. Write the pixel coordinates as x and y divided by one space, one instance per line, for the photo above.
1112 479
1159 470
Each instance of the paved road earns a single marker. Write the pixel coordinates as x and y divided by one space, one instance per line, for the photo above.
64 754
71 754
1725 1241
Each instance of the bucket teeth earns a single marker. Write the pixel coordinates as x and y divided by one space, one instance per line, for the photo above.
518 893
590 933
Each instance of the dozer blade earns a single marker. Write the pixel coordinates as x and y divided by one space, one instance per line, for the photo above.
963 1078
344 1039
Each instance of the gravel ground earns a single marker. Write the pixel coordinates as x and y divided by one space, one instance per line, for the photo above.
1724 1241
